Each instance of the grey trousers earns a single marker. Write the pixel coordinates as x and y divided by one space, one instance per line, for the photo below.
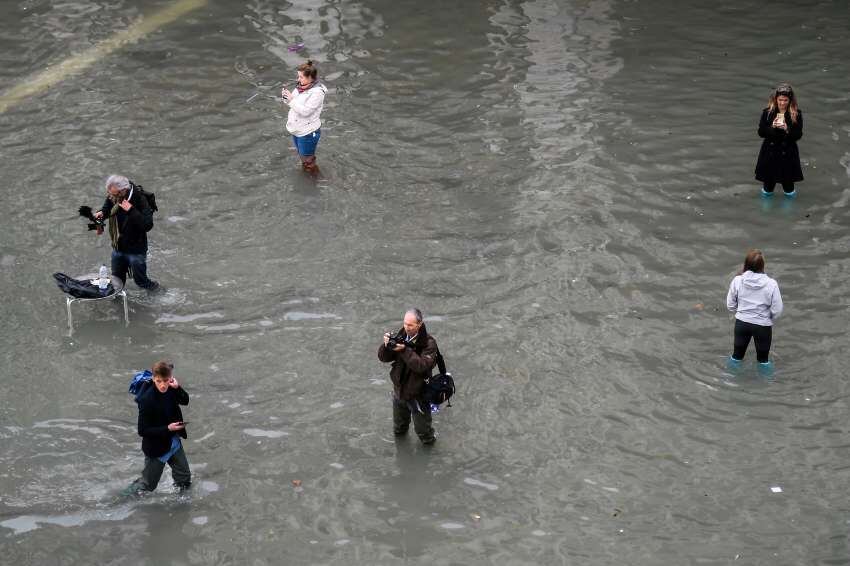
153 471
421 422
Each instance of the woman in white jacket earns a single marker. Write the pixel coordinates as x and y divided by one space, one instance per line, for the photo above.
305 107
754 298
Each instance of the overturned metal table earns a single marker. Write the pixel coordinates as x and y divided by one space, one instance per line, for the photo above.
118 291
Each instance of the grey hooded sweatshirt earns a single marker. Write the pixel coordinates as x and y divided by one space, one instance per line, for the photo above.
754 298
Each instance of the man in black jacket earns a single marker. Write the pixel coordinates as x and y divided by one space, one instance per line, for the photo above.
161 426
130 219
413 356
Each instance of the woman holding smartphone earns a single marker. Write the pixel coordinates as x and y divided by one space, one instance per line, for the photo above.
305 107
781 125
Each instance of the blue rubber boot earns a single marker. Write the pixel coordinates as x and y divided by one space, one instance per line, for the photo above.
792 194
766 194
766 369
733 365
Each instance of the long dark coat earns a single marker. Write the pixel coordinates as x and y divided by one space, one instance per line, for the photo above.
779 158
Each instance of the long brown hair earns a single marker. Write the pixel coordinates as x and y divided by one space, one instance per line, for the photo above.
753 262
784 90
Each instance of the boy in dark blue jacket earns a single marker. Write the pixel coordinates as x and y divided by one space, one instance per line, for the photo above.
161 427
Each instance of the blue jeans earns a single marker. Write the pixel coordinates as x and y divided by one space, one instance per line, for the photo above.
306 145
136 263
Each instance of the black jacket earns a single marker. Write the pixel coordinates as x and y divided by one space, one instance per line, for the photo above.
133 225
157 411
779 158
412 366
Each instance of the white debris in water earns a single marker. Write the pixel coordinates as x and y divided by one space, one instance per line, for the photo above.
479 483
176 218
538 533
452 526
234 405
611 489
336 405
776 489
258 432
266 323
202 520
204 437
337 465
377 381
209 486
591 482
342 541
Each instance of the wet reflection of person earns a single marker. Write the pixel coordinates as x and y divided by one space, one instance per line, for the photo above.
161 427
304 118
413 353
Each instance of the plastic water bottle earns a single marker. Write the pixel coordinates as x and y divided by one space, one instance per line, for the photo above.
103 279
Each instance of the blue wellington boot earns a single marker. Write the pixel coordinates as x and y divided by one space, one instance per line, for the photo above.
792 194
766 194
733 365
766 369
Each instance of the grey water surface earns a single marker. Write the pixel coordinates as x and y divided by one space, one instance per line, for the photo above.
565 188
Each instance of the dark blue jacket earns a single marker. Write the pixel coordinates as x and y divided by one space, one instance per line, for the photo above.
157 411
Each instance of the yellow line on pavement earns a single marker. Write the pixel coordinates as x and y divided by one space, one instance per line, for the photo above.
81 61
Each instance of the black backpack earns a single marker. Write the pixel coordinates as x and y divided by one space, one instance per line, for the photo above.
440 388
151 197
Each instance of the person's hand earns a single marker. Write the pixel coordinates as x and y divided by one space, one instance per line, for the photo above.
98 215
286 94
386 338
174 427
399 348
173 383
125 204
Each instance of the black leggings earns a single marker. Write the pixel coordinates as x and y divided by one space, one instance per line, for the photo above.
787 187
762 335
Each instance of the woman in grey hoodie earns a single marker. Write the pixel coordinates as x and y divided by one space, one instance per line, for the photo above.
754 298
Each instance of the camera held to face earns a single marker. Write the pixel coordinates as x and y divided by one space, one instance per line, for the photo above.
394 341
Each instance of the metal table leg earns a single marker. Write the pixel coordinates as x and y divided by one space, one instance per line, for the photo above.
68 302
126 312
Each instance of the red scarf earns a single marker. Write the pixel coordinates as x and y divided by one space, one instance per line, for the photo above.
306 88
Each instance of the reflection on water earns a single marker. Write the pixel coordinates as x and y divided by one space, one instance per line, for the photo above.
557 184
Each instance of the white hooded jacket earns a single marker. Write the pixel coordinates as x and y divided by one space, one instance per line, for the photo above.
754 298
304 110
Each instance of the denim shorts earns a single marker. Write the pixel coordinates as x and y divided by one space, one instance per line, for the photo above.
306 145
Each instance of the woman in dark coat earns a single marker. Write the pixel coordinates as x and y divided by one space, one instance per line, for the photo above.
781 125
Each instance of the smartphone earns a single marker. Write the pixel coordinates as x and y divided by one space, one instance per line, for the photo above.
184 423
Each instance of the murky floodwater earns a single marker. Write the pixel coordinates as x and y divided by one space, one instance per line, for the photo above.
565 188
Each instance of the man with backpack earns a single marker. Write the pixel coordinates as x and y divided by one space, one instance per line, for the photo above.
413 353
161 427
130 213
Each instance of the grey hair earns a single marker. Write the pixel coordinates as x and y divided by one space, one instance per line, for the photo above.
120 182
415 312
